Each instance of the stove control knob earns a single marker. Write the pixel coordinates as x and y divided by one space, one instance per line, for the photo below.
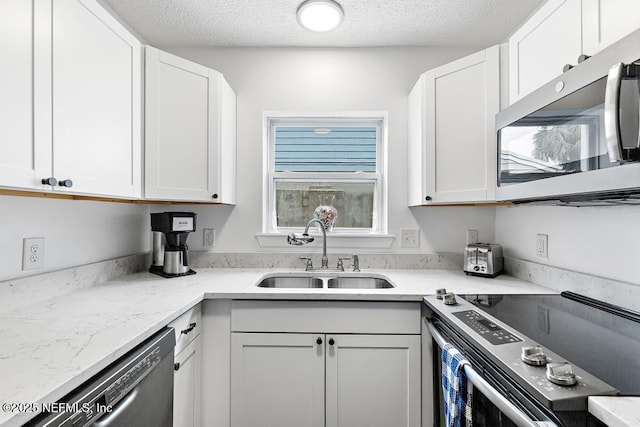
449 299
561 374
533 356
440 293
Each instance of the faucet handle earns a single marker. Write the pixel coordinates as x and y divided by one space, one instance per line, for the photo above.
341 262
308 263
356 262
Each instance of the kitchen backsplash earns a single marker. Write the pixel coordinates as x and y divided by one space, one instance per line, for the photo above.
612 291
16 293
444 261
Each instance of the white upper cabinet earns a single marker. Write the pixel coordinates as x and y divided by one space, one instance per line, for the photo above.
543 45
96 100
21 164
559 32
74 111
606 21
451 136
190 138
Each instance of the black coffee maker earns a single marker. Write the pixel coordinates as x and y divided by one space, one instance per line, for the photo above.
170 250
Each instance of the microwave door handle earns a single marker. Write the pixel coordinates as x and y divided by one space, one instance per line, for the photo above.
612 113
502 403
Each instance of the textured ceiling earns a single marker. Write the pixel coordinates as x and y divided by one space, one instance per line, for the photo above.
458 23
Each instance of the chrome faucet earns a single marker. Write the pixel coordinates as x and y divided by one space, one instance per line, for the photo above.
295 239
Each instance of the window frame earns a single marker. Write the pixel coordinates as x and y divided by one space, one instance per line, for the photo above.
326 119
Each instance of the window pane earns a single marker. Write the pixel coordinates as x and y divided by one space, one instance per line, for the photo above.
325 149
296 202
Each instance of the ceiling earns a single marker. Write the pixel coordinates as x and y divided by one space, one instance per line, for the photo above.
367 23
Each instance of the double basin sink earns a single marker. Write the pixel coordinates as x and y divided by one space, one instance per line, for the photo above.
321 280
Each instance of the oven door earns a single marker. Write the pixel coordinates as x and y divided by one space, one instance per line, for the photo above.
490 406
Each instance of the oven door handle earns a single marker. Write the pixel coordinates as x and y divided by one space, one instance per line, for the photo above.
505 406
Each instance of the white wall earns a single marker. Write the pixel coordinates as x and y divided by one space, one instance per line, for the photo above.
290 79
76 232
601 241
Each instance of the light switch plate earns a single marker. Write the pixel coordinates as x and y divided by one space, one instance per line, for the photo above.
472 237
33 253
410 238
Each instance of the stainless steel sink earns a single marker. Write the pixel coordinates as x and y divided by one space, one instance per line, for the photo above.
359 283
327 281
291 282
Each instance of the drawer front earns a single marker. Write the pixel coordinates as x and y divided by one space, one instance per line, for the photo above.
326 316
187 327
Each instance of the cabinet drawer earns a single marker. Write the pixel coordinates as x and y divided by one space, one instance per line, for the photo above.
330 317
187 327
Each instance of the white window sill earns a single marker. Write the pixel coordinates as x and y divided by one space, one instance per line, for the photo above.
334 240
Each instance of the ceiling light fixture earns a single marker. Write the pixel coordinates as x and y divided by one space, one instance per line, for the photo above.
320 15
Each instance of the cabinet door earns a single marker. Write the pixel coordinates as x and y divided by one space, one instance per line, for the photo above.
224 185
277 380
606 21
186 385
373 380
181 106
461 101
21 162
544 44
96 100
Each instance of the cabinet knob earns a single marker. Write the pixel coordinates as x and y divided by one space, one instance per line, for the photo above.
49 181
427 198
176 366
66 183
583 58
566 68
319 341
331 341
215 196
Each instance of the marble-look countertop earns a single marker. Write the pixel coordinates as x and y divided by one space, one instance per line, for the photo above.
51 347
616 411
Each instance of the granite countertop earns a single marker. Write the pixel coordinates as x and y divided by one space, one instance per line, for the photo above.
616 411
53 346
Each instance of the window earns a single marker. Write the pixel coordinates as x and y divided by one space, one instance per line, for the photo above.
317 161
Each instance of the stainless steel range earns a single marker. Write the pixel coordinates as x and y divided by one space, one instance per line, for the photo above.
535 359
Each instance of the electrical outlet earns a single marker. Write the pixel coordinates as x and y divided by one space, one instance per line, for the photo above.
542 245
472 236
32 253
209 236
410 238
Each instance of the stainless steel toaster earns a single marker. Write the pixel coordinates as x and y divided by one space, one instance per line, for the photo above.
483 259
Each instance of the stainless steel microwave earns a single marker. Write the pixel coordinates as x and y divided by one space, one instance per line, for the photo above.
577 138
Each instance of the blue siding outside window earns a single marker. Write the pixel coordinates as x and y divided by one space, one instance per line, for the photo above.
313 149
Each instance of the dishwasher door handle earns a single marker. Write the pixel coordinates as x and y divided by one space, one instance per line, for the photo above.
502 403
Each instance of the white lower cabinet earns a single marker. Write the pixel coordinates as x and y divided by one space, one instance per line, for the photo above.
187 378
333 380
299 378
186 385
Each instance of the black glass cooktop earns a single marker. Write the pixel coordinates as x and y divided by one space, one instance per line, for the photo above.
600 338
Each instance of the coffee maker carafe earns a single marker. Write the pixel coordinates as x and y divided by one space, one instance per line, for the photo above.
170 250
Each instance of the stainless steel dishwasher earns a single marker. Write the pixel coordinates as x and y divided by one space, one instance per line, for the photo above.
136 390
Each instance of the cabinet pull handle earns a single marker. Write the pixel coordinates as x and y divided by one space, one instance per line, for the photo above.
331 341
176 366
50 181
66 183
319 341
189 329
